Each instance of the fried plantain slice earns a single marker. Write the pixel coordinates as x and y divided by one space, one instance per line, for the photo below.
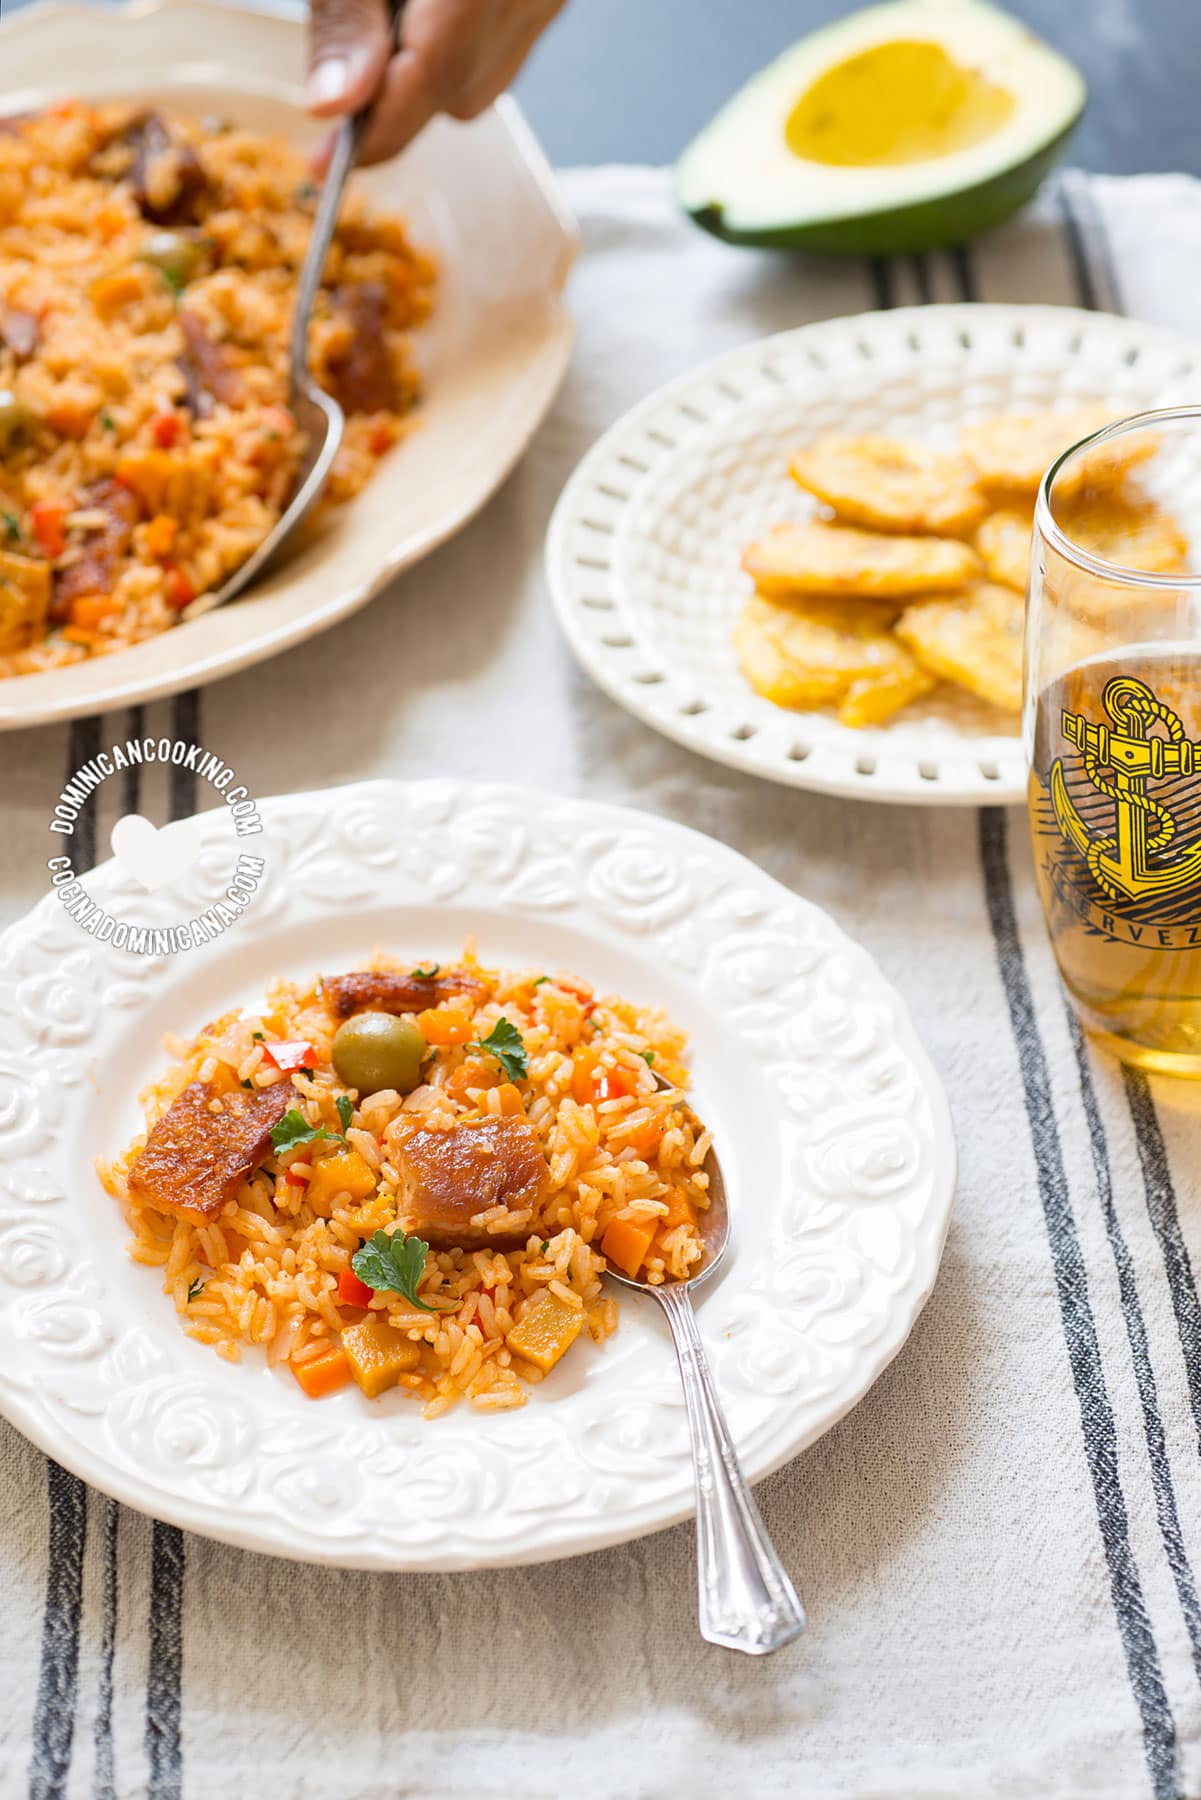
975 642
889 485
874 698
811 652
1010 454
1127 528
1003 541
815 558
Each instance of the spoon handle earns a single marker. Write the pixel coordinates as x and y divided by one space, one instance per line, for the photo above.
744 1596
343 156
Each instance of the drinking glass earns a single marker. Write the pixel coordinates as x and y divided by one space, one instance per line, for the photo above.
1111 725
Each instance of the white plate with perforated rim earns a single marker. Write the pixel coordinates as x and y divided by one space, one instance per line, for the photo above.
643 552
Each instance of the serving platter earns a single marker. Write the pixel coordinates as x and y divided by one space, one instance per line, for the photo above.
644 547
833 1131
479 196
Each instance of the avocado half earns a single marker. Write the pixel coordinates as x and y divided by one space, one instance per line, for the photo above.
902 128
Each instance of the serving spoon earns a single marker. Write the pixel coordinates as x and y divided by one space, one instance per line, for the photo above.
317 413
745 1599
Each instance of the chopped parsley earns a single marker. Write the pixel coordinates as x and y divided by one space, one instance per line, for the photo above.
248 1084
648 1057
107 420
174 280
545 1245
195 1288
395 1264
345 1106
541 979
294 1129
425 974
507 1045
257 1037
12 527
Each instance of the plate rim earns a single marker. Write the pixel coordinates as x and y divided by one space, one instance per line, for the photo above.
549 365
1003 790
190 1513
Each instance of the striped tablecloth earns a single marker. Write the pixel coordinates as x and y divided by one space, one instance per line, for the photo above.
999 1548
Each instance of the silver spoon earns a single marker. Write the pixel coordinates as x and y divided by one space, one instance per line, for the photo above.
318 415
745 1599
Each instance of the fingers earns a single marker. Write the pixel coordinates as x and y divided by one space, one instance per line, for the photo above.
349 45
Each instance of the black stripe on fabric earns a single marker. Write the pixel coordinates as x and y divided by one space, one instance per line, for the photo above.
922 279
961 264
1165 1221
1140 1355
880 270
185 725
163 1739
83 743
58 1674
131 778
1079 1329
164 1682
104 1783
1082 271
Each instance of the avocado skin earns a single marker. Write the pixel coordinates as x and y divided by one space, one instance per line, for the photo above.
933 224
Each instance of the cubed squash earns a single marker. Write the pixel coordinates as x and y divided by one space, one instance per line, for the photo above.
346 1173
625 1244
378 1355
24 600
546 1330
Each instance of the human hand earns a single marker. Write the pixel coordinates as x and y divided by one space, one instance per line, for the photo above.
455 56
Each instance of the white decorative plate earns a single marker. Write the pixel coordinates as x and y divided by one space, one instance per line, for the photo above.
834 1135
644 546
479 196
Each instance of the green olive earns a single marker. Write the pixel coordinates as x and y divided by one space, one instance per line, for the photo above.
375 1050
176 256
18 422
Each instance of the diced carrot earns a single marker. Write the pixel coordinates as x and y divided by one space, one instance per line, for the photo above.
626 1244
161 534
584 1062
474 1073
70 418
381 439
91 609
112 292
82 634
48 518
648 1137
165 429
323 1374
590 1088
353 1291
511 1102
180 592
680 1210
445 1026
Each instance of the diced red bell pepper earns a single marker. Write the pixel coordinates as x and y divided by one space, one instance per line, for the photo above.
165 430
290 1054
48 518
353 1291
292 1180
180 591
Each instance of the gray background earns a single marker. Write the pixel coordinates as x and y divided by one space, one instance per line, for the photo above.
631 80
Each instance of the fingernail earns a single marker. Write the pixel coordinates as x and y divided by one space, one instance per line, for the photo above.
328 81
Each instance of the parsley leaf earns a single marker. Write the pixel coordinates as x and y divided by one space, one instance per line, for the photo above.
12 526
248 1084
195 1289
425 974
294 1129
174 280
541 979
648 1057
345 1106
256 1037
107 420
395 1263
507 1045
